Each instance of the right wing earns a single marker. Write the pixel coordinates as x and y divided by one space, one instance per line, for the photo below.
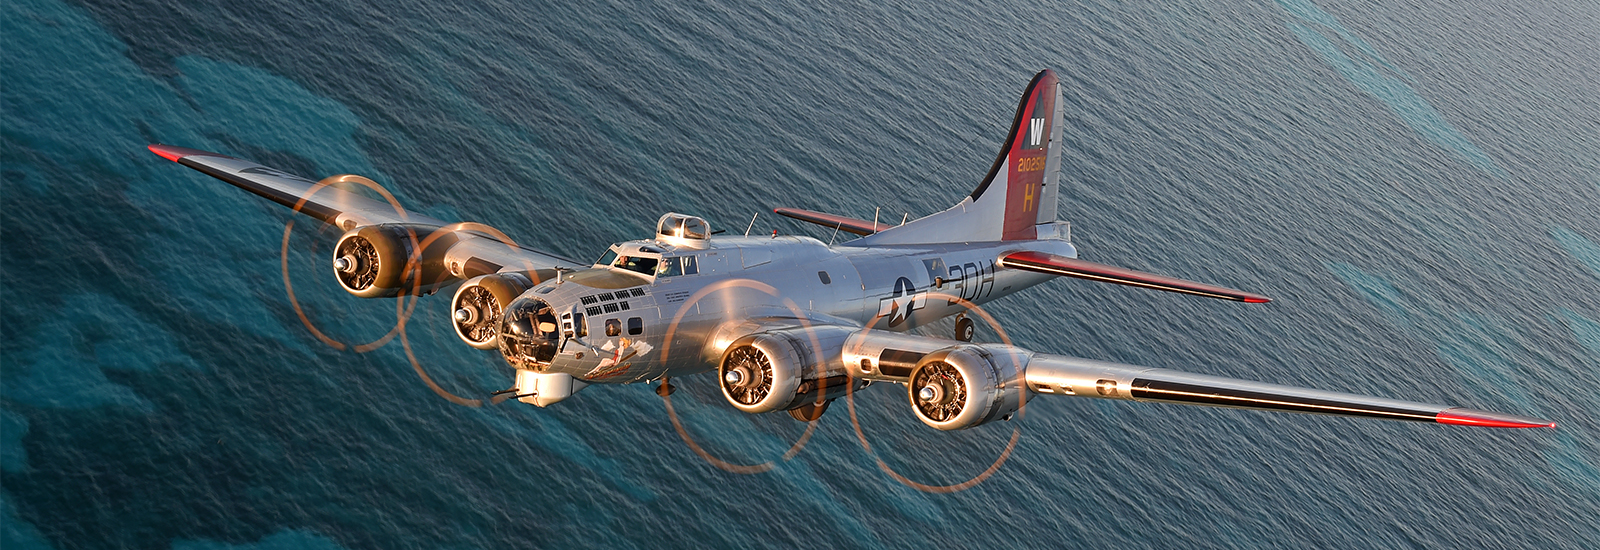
473 249
329 204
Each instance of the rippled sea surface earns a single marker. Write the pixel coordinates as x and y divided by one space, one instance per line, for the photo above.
1416 183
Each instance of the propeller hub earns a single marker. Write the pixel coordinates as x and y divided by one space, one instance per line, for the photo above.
930 393
467 315
735 377
345 264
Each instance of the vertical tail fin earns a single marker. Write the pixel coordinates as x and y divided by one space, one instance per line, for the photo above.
1019 192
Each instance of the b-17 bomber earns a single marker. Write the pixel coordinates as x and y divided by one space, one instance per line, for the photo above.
787 323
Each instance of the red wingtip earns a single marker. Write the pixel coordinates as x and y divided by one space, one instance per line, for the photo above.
173 153
1469 417
1257 300
167 151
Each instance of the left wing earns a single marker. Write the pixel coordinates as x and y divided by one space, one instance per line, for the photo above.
953 385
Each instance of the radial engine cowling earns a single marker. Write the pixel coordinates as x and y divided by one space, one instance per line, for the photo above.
374 261
963 386
478 305
783 370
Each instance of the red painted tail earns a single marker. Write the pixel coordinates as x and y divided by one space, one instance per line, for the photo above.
1019 193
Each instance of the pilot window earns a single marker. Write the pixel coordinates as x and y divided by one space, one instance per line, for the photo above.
608 258
682 265
635 326
670 267
636 264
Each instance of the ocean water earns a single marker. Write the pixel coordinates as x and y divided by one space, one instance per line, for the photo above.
1416 183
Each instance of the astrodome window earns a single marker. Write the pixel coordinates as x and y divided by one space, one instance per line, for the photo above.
680 230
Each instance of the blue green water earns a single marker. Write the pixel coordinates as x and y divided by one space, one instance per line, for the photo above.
1417 184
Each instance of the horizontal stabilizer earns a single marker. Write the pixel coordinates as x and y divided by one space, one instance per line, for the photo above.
1052 264
848 225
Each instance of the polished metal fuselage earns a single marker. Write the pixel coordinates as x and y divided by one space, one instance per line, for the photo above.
636 327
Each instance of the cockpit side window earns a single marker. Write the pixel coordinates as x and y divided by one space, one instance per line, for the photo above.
670 267
637 264
608 258
678 265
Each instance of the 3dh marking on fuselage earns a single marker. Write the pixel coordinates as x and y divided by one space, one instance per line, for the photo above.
972 280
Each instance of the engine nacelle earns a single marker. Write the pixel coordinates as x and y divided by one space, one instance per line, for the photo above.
963 386
784 369
372 261
478 305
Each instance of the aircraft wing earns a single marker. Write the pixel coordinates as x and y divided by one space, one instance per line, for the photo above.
330 203
387 237
1062 375
954 385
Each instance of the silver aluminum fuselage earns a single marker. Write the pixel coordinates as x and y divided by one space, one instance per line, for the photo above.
641 327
